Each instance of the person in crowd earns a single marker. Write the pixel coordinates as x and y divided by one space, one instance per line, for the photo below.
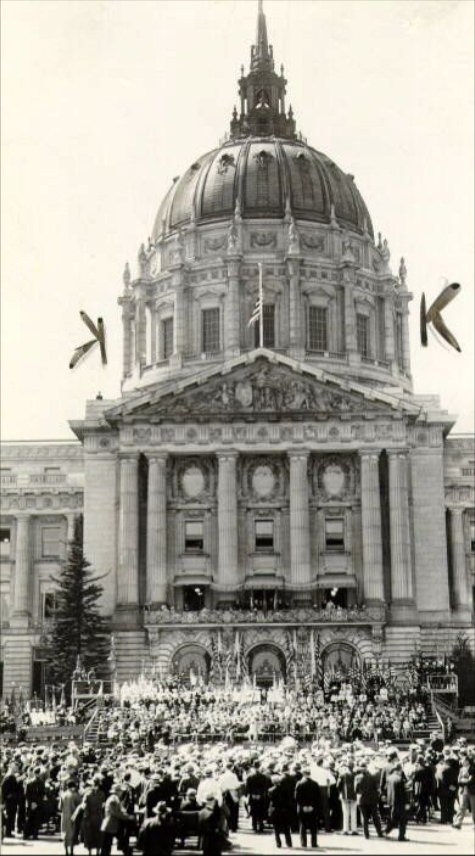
257 789
367 796
157 834
397 801
279 811
466 781
209 828
11 788
114 817
346 790
423 783
447 785
92 813
34 795
309 803
324 779
68 802
230 788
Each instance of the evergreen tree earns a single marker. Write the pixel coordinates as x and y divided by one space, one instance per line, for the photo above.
78 629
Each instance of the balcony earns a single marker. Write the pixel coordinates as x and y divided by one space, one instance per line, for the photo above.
47 478
312 616
8 480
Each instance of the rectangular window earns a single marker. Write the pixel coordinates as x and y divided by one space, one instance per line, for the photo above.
50 541
49 604
4 542
193 598
264 538
194 541
334 534
210 330
362 335
317 329
268 318
472 536
167 338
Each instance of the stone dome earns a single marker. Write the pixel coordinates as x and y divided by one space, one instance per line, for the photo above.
263 177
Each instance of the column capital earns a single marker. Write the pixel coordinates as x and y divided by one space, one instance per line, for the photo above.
295 454
456 510
369 453
395 452
21 514
125 455
160 457
227 454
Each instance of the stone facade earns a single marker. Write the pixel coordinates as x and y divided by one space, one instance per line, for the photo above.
250 500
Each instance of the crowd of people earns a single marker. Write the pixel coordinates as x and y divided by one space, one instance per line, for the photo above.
173 759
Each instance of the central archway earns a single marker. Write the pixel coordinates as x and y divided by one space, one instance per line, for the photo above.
339 659
191 660
266 664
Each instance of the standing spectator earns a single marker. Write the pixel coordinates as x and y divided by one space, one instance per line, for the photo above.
346 790
34 795
92 815
279 811
157 834
423 786
308 799
367 795
114 816
447 782
230 784
68 803
466 782
397 801
10 798
209 828
257 789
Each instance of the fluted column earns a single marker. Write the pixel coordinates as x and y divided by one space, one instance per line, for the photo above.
128 574
179 316
401 559
460 589
371 526
71 523
406 356
300 564
389 345
228 571
21 601
296 339
157 530
350 317
232 317
141 332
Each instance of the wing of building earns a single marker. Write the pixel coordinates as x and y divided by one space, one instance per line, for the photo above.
256 485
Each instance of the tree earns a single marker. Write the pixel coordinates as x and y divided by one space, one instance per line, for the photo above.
464 667
78 629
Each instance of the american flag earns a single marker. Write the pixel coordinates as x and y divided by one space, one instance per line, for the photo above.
258 311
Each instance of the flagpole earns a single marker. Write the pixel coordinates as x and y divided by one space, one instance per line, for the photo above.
261 308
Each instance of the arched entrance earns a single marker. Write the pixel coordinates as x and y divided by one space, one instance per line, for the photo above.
339 660
266 664
191 662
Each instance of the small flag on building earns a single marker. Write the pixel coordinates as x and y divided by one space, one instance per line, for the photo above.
258 311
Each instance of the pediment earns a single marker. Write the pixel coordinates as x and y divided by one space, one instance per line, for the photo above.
259 387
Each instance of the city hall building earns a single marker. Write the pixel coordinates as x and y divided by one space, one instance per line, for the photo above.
262 493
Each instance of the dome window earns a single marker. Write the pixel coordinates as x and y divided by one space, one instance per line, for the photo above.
225 162
263 159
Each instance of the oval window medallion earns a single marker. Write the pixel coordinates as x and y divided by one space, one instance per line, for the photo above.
263 480
193 481
333 480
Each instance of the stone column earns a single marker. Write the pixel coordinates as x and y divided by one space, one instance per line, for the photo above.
233 313
296 339
371 527
348 270
389 345
406 356
128 574
300 563
157 530
21 601
127 356
460 589
71 522
141 334
178 317
402 590
228 570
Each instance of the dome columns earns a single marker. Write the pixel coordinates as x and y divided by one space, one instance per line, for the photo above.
296 331
232 309
349 280
178 284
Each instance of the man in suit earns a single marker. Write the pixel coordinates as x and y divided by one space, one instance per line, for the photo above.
34 796
397 801
280 811
367 797
308 799
114 817
257 789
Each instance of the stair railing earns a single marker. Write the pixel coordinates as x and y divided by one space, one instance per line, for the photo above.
87 727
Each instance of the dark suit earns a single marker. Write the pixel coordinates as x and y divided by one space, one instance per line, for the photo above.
280 812
34 795
397 799
257 788
308 799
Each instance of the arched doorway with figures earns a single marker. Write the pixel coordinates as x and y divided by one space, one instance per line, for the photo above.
191 662
266 664
340 660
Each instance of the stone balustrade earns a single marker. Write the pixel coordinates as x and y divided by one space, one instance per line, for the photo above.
310 615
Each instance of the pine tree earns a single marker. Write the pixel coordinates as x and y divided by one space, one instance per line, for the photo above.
78 629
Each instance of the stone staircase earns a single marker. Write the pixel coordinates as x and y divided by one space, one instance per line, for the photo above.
132 654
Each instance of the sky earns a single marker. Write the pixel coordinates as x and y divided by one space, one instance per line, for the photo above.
105 101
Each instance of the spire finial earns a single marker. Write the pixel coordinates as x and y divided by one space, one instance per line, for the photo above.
261 55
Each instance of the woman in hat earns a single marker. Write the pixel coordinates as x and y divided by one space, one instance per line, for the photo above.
92 808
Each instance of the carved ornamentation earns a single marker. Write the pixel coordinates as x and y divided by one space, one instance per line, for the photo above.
192 479
313 242
334 477
225 162
262 478
232 617
141 434
213 245
263 159
263 239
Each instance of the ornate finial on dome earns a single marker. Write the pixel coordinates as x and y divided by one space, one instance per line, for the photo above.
385 255
333 221
347 249
402 271
143 261
126 275
380 245
262 92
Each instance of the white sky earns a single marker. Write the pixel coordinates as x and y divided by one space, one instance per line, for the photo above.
103 102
